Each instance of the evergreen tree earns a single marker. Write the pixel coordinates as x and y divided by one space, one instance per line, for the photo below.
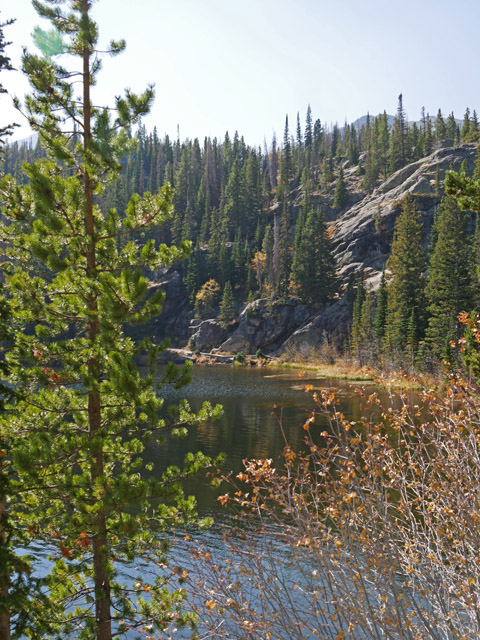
398 155
465 130
335 143
22 595
380 321
268 251
440 127
406 287
85 405
5 65
308 129
355 334
371 165
352 150
474 127
286 160
367 335
451 127
283 260
340 198
449 287
235 200
227 306
193 274
313 270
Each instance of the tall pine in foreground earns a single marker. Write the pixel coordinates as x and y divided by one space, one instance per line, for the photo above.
87 409
406 289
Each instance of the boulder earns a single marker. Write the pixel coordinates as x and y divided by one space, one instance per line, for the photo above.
317 338
208 334
265 325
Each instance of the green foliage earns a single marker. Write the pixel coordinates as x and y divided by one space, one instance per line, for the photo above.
449 288
76 277
5 65
406 287
313 269
207 299
227 306
381 310
466 190
397 153
340 198
240 358
356 317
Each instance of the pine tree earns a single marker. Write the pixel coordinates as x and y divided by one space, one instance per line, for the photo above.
371 164
355 334
283 260
268 251
313 270
449 288
465 130
340 198
85 405
367 334
451 127
235 200
21 593
308 129
406 286
398 155
193 274
5 65
353 153
286 160
381 310
440 127
227 306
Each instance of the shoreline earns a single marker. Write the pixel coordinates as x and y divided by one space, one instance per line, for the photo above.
339 370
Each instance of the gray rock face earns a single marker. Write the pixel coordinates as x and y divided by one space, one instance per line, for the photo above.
266 325
359 243
316 339
207 334
175 317
361 235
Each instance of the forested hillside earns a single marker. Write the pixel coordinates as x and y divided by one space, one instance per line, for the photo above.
308 223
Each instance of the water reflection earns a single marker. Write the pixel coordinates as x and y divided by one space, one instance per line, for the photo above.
250 426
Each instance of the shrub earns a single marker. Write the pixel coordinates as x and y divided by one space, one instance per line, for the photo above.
372 533
240 358
207 299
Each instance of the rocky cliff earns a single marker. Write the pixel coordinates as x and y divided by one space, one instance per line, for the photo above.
362 235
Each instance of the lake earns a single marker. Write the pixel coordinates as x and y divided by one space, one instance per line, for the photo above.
249 427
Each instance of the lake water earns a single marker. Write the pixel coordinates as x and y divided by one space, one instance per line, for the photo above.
250 426
254 400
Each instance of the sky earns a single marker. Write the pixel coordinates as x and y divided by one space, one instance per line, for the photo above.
242 65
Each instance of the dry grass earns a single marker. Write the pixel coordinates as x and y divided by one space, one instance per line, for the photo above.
341 370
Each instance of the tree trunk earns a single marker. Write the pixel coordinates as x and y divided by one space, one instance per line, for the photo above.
100 537
4 572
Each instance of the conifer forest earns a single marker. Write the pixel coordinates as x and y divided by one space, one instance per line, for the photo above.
356 243
261 223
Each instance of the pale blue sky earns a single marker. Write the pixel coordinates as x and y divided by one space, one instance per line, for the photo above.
241 65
